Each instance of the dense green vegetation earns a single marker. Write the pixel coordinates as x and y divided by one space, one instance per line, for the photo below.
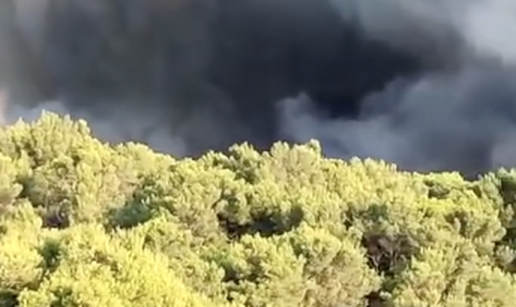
90 224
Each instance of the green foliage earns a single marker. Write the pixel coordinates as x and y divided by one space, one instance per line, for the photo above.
84 223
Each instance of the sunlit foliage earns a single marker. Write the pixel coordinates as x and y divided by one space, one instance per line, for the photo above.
83 223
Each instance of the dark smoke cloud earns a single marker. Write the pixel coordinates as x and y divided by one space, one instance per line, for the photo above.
426 84
460 114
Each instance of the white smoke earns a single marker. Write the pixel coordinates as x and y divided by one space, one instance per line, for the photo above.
123 126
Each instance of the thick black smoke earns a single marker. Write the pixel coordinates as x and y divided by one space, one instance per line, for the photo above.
427 84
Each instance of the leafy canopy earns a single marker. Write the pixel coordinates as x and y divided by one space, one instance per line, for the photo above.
89 224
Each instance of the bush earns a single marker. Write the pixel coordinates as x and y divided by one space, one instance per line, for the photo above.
90 224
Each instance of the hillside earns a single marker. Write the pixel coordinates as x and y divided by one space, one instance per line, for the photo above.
84 223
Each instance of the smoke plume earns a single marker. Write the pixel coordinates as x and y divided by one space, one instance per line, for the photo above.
429 84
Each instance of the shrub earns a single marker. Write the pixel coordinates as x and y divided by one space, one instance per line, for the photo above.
84 223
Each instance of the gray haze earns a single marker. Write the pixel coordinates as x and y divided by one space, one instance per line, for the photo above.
459 115
429 84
